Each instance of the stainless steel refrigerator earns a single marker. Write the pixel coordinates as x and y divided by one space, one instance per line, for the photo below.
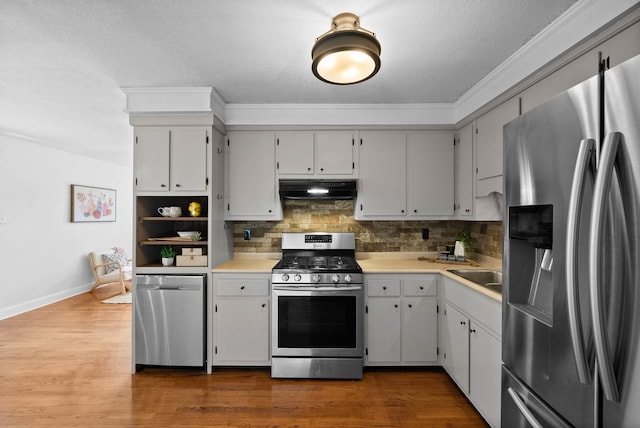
571 292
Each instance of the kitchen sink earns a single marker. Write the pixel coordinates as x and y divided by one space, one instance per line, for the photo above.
490 279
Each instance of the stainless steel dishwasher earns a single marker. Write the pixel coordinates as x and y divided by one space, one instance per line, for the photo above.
169 320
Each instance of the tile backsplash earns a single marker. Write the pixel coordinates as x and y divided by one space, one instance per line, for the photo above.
371 236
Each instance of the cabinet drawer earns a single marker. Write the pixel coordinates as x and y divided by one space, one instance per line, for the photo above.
242 287
383 287
427 286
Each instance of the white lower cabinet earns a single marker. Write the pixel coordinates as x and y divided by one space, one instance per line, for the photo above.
241 308
455 353
471 347
485 361
401 320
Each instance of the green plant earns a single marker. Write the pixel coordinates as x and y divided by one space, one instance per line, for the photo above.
196 236
167 252
465 238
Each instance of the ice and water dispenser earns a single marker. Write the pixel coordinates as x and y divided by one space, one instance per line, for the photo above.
531 260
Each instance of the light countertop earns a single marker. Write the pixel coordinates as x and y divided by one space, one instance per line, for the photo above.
247 265
372 263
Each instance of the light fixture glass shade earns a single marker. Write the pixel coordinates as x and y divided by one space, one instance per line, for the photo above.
347 53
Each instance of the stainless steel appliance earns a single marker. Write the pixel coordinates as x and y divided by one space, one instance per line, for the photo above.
571 289
317 308
169 320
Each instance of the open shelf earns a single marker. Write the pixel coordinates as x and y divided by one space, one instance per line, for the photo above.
143 219
175 243
151 225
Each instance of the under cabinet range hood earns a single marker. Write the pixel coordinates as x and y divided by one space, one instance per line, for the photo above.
318 189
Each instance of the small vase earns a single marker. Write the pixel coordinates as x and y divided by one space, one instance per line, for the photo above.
167 261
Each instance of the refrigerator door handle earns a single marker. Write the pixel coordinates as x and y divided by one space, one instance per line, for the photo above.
596 229
524 410
585 151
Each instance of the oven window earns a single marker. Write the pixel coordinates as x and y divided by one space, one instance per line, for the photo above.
317 322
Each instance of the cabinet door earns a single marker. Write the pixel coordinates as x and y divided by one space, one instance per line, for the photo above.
383 330
241 331
419 330
463 156
251 164
188 167
457 357
485 360
334 153
489 146
430 174
295 153
151 158
382 183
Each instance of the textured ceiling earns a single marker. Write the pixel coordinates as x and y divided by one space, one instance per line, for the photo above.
63 62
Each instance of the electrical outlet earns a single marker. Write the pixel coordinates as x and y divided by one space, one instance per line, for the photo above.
425 233
247 234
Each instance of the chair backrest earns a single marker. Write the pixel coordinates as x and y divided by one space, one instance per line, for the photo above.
95 257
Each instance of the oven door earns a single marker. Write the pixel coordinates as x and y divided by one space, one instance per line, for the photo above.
317 321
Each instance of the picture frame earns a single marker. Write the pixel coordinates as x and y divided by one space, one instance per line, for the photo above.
91 204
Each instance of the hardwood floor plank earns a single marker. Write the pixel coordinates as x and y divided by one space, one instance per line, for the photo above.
68 364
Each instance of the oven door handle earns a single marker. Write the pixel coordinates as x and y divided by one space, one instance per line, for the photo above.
307 288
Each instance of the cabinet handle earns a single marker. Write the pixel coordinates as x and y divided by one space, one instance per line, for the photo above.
463 323
264 304
421 287
402 211
415 211
308 169
269 210
472 330
321 169
177 185
163 185
410 306
395 306
242 287
384 287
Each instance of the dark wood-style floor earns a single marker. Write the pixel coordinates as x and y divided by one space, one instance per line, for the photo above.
68 365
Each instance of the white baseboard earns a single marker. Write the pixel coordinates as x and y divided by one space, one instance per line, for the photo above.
21 308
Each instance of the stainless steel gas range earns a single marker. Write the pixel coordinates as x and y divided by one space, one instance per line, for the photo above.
317 308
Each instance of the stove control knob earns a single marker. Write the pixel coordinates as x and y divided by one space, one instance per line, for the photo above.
285 277
315 277
298 277
335 279
347 279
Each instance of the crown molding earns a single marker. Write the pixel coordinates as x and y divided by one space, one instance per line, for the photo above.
338 114
582 21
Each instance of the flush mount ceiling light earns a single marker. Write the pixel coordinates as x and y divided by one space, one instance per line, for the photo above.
347 53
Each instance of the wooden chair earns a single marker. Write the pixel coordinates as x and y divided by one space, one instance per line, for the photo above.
115 267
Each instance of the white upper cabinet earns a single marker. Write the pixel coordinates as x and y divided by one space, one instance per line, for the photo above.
171 158
295 153
463 160
151 152
251 177
326 154
489 141
335 153
188 165
382 189
405 176
430 174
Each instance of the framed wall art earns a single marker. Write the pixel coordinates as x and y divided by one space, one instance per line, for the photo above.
92 204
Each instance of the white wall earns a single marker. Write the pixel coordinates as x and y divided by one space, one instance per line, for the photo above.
43 256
